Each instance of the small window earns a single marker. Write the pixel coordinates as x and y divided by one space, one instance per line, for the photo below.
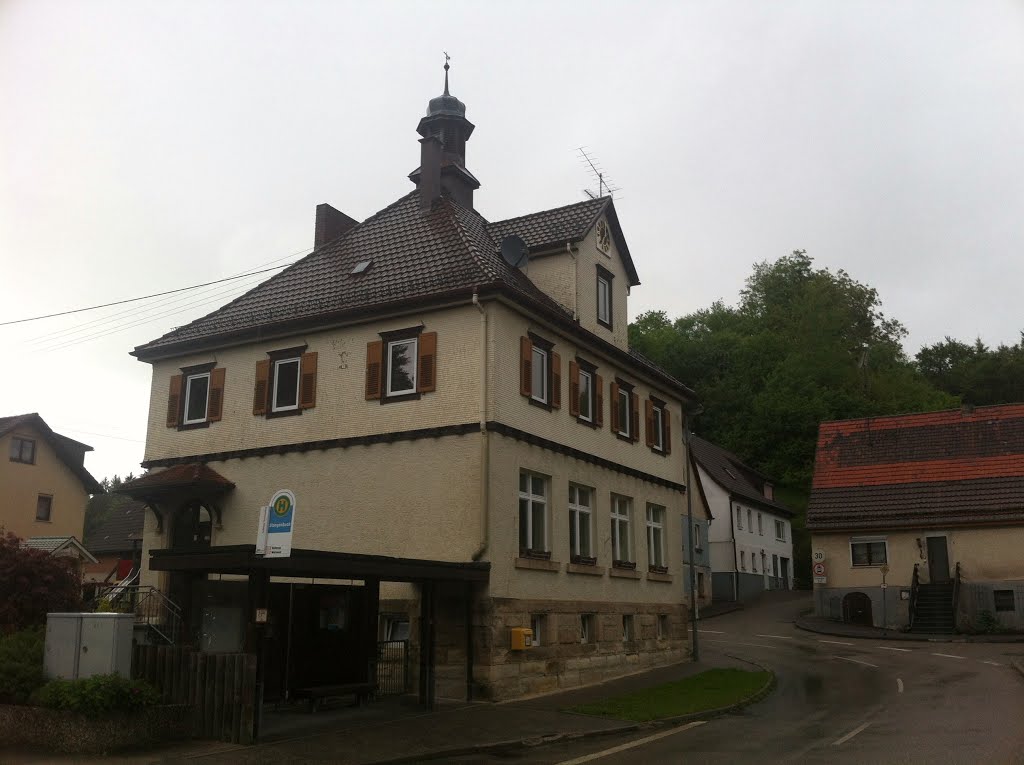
537 622
44 504
581 506
197 390
401 361
750 520
286 385
868 553
760 525
662 626
739 519
628 631
658 436
587 631
23 450
697 542
753 563
586 401
604 297
533 514
656 538
362 267
622 549
743 560
539 387
1004 600
624 412
780 530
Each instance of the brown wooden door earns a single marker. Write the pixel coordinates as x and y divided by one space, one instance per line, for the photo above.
938 559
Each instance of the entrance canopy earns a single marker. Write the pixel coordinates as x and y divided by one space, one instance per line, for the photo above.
242 559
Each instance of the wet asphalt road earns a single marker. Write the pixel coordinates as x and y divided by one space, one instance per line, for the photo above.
838 700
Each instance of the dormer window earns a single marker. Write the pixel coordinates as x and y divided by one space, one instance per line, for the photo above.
604 297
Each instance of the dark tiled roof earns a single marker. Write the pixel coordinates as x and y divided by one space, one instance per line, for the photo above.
953 467
70 451
740 480
193 475
118 530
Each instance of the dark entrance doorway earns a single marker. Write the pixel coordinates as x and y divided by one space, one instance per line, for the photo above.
938 559
857 609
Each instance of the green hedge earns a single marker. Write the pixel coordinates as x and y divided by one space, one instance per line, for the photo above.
97 696
21 665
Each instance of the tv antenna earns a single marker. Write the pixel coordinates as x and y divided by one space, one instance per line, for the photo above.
605 187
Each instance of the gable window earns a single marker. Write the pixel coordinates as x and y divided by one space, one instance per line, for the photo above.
625 411
622 548
44 504
604 297
23 450
868 552
285 382
656 538
533 515
581 548
780 530
540 372
196 396
659 433
586 402
401 365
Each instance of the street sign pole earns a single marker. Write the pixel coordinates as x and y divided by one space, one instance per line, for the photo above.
885 570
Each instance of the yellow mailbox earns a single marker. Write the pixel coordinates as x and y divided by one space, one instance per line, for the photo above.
522 638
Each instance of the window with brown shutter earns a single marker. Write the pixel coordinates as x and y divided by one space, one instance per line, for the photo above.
374 376
525 366
584 392
658 430
574 389
649 423
427 380
259 393
307 381
556 381
540 372
634 416
613 396
598 401
216 408
174 401
667 449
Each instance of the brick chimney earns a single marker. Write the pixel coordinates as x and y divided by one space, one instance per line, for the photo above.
428 179
330 224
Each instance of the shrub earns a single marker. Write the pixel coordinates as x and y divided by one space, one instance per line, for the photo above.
35 583
21 665
987 623
97 696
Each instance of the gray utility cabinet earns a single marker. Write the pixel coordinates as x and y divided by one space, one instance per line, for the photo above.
83 645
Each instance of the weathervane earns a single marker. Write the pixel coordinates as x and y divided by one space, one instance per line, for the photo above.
447 58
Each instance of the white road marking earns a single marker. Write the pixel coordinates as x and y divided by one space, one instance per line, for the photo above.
631 744
890 648
713 632
856 661
732 642
993 663
850 735
948 656
834 642
777 637
899 685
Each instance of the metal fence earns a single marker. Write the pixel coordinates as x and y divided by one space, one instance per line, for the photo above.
393 668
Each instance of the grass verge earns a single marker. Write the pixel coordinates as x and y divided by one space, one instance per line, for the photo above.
712 689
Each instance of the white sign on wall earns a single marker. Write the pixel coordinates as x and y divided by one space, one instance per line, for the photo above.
277 521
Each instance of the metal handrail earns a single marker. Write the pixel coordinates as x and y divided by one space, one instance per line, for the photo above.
956 593
915 584
151 607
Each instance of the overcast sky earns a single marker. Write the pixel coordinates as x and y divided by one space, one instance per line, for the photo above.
146 146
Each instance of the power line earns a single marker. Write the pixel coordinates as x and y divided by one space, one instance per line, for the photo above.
135 299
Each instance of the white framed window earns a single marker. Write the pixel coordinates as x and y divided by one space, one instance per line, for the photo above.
604 299
656 536
743 560
197 395
537 622
581 508
868 551
622 549
780 530
624 412
739 519
697 542
658 434
586 403
533 513
285 397
588 634
628 629
539 372
402 355
760 525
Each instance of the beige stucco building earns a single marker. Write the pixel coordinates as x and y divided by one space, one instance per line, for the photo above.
43 480
470 444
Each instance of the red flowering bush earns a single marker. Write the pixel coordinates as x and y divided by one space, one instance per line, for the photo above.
34 583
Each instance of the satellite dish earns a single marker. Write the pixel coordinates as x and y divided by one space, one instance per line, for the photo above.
514 251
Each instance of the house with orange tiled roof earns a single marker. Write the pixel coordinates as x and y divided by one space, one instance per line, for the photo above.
917 521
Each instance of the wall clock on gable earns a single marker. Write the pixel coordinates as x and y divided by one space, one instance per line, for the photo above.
604 236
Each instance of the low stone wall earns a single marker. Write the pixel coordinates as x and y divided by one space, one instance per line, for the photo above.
977 597
73 733
828 603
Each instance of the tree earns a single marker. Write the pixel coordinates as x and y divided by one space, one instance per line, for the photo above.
34 584
975 373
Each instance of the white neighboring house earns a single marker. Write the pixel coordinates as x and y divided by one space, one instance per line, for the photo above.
752 537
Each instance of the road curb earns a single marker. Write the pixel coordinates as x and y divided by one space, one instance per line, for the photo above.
560 737
906 637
